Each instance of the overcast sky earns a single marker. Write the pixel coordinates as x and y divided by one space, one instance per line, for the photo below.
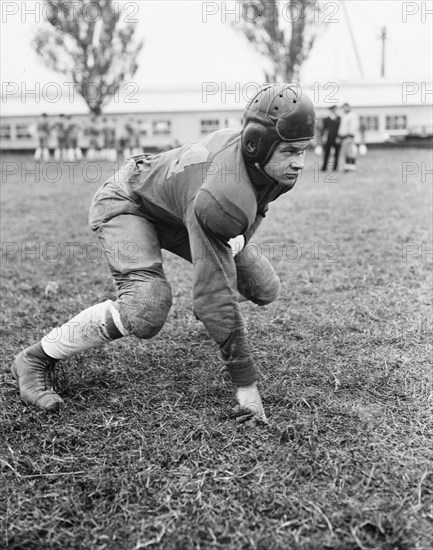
191 42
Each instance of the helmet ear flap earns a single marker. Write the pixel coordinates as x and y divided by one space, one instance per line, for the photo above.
254 142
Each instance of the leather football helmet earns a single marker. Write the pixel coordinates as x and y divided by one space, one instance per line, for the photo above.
278 112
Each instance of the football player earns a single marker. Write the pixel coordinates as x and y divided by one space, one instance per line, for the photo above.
202 202
44 132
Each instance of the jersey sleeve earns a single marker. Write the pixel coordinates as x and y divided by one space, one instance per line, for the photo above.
215 293
221 216
255 225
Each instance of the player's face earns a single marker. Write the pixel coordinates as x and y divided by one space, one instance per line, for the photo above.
287 162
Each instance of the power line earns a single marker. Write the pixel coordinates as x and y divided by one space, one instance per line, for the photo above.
352 36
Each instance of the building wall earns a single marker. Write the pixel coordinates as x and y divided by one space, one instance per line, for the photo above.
188 127
184 128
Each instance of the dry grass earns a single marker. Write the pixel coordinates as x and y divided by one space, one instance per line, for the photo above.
145 455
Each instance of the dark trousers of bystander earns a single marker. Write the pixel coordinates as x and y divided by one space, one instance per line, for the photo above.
327 151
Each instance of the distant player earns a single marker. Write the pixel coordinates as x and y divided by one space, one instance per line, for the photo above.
61 150
44 132
142 136
95 133
72 135
202 202
115 138
132 138
349 134
109 132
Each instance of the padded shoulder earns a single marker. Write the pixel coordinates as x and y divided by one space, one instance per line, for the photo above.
226 201
222 218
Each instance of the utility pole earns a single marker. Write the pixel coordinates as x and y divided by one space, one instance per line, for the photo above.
383 37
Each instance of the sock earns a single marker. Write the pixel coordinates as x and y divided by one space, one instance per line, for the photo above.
92 327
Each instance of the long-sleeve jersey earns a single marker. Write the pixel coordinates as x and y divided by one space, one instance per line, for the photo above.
43 129
207 189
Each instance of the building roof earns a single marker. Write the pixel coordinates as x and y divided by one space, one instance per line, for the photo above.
53 99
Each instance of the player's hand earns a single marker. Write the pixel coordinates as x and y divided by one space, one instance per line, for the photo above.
250 405
237 244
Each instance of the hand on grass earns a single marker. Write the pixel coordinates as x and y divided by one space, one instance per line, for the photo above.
250 405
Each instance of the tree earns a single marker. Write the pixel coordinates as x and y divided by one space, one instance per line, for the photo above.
88 42
283 32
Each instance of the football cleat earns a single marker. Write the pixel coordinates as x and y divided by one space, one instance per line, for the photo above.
31 369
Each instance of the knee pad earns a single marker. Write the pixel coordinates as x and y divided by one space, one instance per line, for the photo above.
257 280
269 292
262 293
144 308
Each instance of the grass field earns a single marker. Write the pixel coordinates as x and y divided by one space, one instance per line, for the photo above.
145 454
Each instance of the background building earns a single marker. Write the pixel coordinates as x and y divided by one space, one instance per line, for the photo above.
387 111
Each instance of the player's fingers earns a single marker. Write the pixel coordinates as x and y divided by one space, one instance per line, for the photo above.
241 414
253 421
245 415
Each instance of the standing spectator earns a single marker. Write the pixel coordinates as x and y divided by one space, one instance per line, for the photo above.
61 152
92 138
96 138
109 135
123 140
132 139
142 135
331 126
72 133
106 137
349 133
99 131
43 130
114 140
136 138
362 147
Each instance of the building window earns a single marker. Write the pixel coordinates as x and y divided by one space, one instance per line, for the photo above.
161 127
23 131
396 122
209 125
369 122
143 128
234 123
5 131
